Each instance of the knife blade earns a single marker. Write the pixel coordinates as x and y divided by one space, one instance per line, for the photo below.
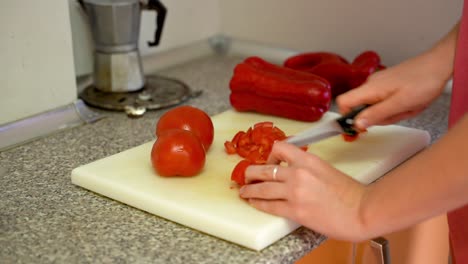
341 125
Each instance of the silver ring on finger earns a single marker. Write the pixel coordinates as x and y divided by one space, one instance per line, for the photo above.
275 170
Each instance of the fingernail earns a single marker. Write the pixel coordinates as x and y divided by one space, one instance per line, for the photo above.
362 123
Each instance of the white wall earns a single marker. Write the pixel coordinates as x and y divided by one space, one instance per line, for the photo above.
36 69
396 29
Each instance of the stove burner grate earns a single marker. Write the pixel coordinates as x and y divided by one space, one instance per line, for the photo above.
158 92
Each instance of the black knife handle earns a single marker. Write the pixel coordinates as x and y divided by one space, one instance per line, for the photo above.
347 121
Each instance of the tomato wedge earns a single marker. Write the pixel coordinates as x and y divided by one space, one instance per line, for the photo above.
238 174
256 143
230 148
351 138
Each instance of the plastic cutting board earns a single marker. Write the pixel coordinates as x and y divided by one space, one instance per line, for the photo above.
208 203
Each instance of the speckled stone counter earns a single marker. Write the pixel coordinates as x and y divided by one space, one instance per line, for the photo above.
46 219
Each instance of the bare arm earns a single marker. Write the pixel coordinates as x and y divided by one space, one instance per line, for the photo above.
318 196
431 183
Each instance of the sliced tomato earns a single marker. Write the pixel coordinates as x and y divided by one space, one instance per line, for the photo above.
236 138
257 134
264 124
243 152
238 173
256 157
244 138
256 143
230 147
279 133
350 138
304 148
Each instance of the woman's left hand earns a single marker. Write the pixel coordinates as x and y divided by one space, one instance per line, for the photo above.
308 191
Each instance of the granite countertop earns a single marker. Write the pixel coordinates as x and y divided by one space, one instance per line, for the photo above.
44 218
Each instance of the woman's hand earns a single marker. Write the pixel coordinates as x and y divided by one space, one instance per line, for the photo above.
308 191
399 92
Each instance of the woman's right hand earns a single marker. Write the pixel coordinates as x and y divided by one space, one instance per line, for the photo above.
396 93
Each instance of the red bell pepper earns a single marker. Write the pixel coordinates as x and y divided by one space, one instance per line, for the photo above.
342 75
364 65
263 87
307 61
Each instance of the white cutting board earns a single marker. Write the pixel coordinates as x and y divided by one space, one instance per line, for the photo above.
208 203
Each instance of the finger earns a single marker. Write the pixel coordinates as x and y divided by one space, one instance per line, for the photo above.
265 173
402 116
264 190
275 207
365 94
284 152
293 156
381 113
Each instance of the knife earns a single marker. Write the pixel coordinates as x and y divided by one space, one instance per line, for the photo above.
342 125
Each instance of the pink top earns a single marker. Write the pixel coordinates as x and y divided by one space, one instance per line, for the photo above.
458 219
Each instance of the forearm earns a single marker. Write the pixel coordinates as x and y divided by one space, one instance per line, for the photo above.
441 56
433 182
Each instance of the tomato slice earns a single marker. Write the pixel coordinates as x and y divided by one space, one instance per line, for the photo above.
256 157
257 134
263 124
230 148
238 174
236 138
349 138
256 143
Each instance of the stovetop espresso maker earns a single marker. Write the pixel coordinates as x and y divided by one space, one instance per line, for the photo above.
118 79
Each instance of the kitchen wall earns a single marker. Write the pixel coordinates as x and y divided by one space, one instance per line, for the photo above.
396 29
42 52
36 69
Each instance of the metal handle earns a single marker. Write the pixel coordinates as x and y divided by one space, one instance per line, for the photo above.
161 11
380 250
374 251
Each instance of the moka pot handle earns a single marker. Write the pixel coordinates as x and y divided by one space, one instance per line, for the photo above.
161 12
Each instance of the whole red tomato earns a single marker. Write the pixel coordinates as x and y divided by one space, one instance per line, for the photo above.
177 152
188 118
